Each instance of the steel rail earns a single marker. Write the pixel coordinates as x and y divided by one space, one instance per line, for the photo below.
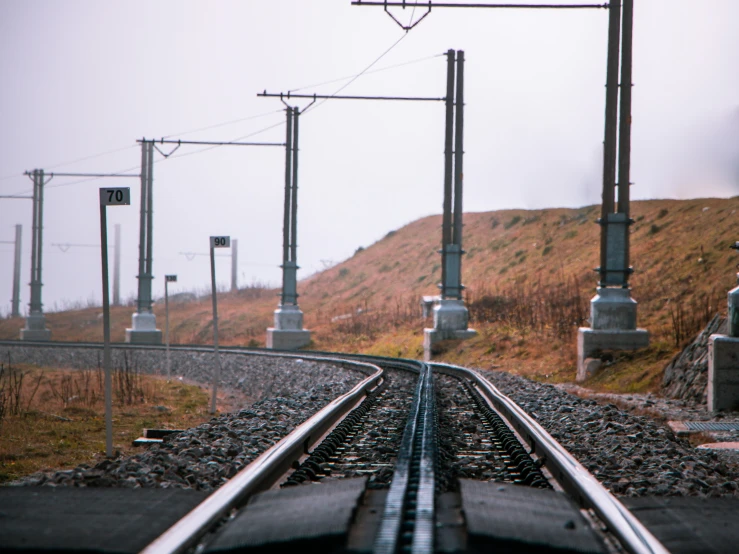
413 484
263 472
574 478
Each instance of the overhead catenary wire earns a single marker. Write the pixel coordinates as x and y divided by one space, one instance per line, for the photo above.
116 150
353 78
379 70
358 75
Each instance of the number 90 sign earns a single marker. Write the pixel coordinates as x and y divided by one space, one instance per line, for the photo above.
115 197
220 242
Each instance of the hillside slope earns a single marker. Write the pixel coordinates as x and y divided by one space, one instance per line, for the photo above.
529 277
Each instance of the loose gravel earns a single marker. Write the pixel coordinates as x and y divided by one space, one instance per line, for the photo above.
631 455
206 456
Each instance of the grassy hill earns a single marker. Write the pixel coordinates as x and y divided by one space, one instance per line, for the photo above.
529 278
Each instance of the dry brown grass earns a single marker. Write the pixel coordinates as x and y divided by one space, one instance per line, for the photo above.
529 276
59 421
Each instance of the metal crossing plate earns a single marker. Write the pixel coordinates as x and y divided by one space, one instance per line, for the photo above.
689 524
507 517
712 425
102 520
312 517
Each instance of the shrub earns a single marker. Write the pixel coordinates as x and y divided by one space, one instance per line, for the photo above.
515 219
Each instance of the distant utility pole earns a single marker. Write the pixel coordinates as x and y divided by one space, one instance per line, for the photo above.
15 301
613 323
450 316
234 265
288 332
17 273
143 329
35 328
612 310
143 325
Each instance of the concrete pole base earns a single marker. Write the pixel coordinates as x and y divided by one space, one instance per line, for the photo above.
451 315
590 341
723 373
35 328
613 309
288 332
287 339
432 336
36 334
144 330
450 323
288 317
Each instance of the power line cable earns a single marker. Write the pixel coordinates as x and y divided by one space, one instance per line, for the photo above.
395 66
232 122
116 150
358 75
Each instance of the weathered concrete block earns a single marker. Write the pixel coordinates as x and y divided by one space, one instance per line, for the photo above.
288 317
35 328
723 373
451 315
613 309
590 341
144 329
36 334
287 339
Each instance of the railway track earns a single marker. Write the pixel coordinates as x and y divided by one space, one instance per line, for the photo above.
386 432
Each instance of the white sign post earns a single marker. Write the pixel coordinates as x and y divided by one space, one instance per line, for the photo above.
167 279
216 242
108 197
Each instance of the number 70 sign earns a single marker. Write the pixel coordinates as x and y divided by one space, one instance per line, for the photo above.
115 197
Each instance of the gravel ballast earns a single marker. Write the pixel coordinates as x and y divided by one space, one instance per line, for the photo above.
285 391
631 455
204 457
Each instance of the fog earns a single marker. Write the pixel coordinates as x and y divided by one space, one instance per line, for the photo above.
82 80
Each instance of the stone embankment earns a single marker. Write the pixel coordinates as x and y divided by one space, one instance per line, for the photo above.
686 376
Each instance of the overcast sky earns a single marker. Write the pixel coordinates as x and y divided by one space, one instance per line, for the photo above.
83 77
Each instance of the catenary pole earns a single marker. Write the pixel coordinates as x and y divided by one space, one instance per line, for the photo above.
446 222
610 134
458 150
294 208
624 135
16 301
234 265
142 227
